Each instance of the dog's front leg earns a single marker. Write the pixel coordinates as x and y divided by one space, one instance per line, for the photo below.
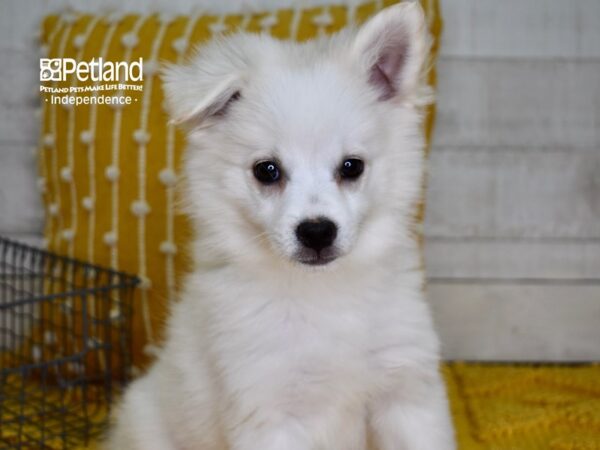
402 420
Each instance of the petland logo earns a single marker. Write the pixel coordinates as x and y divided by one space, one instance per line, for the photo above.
97 70
89 82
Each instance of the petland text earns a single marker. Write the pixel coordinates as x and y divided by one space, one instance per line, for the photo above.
96 70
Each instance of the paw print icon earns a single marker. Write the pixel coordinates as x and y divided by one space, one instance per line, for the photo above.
50 69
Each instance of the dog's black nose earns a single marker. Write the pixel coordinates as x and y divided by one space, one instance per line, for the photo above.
317 233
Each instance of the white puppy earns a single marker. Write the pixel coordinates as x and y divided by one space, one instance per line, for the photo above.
303 326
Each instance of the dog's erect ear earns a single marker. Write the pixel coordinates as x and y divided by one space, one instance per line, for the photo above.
391 48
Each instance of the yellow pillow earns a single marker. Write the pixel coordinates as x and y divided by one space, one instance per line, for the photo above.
108 173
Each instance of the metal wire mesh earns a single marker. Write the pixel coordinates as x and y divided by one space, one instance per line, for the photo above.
64 347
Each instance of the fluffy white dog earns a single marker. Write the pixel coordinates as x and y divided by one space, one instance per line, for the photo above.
303 326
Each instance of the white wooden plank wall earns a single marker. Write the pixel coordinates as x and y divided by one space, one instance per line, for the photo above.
513 222
513 219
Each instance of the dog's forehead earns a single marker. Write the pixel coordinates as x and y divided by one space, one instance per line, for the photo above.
316 100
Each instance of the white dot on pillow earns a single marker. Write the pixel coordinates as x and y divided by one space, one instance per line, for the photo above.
129 40
167 177
110 238
53 209
168 248
112 173
88 203
68 234
150 67
141 137
49 140
79 41
140 208
180 45
86 137
66 174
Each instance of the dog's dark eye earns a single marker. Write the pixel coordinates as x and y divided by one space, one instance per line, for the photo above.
351 169
267 172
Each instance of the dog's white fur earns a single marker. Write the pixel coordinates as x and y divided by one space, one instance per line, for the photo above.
262 352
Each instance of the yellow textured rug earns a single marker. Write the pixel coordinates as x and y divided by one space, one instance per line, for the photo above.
506 407
517 407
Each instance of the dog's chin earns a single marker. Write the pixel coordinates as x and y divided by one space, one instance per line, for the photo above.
312 259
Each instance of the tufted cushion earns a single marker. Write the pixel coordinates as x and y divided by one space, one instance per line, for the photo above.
108 173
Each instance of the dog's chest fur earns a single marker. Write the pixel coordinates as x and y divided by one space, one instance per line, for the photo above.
288 342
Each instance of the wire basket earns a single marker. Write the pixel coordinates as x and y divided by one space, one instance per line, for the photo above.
64 347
